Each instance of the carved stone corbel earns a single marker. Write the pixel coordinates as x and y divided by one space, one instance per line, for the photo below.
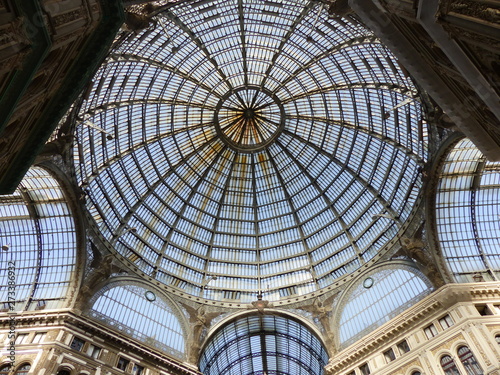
101 273
340 8
414 248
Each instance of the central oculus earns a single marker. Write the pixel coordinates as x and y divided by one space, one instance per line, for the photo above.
248 119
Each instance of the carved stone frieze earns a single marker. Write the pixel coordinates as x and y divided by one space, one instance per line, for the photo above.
475 9
14 62
15 32
68 17
448 343
404 369
200 320
103 271
339 8
322 316
415 249
480 348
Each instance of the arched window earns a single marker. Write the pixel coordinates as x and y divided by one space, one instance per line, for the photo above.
4 370
378 299
497 338
23 369
416 373
449 366
469 361
139 313
63 372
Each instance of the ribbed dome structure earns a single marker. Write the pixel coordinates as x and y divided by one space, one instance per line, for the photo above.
243 147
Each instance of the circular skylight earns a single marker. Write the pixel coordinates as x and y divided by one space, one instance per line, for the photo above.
249 118
243 147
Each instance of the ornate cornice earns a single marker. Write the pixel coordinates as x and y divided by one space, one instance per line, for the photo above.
69 318
445 297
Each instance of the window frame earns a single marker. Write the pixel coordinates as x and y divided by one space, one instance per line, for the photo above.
467 366
365 369
446 321
122 363
138 369
389 355
431 331
79 340
21 338
93 351
21 368
39 337
400 346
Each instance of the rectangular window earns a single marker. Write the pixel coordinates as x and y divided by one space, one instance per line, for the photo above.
39 337
430 331
77 344
21 338
403 347
365 370
122 363
138 370
389 355
446 321
484 310
93 351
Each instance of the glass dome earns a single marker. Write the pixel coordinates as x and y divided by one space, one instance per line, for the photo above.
243 147
263 344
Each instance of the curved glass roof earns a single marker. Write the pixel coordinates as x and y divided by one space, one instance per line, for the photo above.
38 239
263 344
141 314
377 299
467 213
250 145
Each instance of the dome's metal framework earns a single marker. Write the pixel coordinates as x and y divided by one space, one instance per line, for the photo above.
243 148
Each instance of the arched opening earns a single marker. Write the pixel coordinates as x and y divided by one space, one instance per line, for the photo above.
263 344
467 211
449 366
469 361
376 299
23 369
141 313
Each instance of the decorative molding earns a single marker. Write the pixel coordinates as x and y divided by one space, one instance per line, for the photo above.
480 348
429 366
448 344
404 369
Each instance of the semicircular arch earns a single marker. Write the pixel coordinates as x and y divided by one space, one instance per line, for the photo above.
377 296
139 310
